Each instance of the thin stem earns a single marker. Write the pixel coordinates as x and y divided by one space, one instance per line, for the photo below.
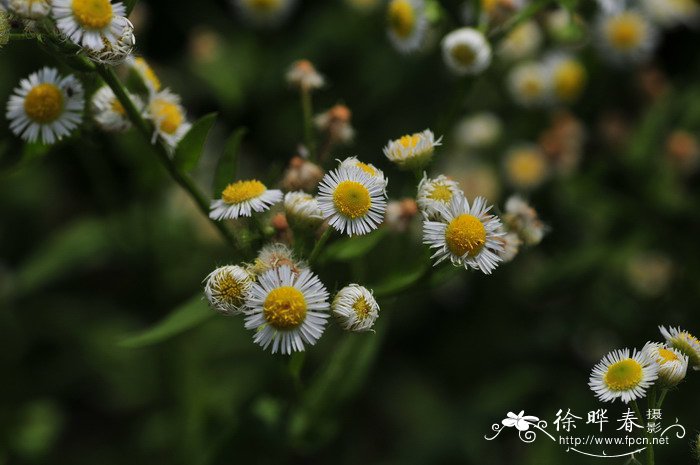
183 179
319 245
22 36
662 397
650 447
307 113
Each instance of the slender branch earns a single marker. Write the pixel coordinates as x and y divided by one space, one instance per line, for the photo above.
307 114
183 179
22 36
319 245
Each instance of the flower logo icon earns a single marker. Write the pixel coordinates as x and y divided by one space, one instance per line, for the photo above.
520 421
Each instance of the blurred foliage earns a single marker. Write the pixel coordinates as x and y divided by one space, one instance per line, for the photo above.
97 245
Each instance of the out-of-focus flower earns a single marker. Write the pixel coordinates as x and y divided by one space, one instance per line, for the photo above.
685 342
116 52
466 235
352 201
511 246
356 308
566 27
626 36
466 51
336 122
522 41
683 151
529 85
30 9
568 76
649 273
363 6
242 198
653 82
614 129
670 13
476 180
46 107
302 210
303 75
301 175
412 152
399 214
434 195
274 256
523 220
478 131
4 28
619 376
226 288
265 12
500 10
673 364
108 112
168 117
280 225
204 45
369 168
526 167
287 310
563 141
91 23
145 73
407 24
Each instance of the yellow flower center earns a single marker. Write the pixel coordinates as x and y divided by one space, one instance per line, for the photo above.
623 375
44 103
366 168
402 17
410 141
168 115
531 87
527 168
230 289
264 5
625 32
441 193
465 234
284 308
362 308
241 191
463 54
352 199
569 79
92 14
667 356
118 108
147 73
489 5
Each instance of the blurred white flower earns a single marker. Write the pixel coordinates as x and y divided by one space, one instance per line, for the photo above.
466 51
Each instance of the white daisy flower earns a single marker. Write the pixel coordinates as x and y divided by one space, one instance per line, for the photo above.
478 131
522 219
274 256
511 246
302 209
521 42
115 53
369 168
30 9
619 376
108 112
46 106
168 117
149 78
466 51
226 288
287 310
466 235
242 198
685 342
529 85
567 76
413 151
673 364
407 24
626 36
265 12
436 194
352 201
670 13
356 308
303 75
90 23
526 166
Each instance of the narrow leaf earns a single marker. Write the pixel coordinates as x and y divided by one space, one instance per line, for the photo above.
190 148
351 248
190 314
228 163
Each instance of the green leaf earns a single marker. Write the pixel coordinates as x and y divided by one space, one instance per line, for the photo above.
354 247
228 163
190 149
403 281
190 314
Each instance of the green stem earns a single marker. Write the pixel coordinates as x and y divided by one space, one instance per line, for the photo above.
524 14
662 397
296 363
319 245
650 447
307 113
183 179
22 36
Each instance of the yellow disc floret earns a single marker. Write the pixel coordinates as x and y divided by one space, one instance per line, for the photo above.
623 375
147 73
410 141
441 193
352 199
242 191
569 79
366 168
465 234
626 31
168 114
463 54
666 356
44 103
284 308
264 5
402 17
230 289
117 107
527 168
93 14
362 308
